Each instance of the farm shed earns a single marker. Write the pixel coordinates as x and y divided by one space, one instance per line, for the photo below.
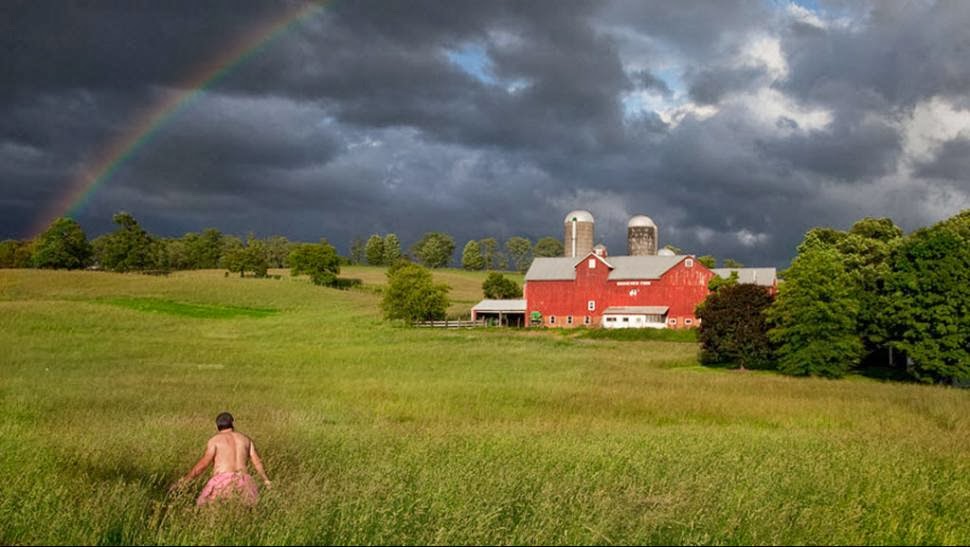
509 313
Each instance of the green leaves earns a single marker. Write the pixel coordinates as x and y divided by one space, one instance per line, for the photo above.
319 261
412 295
815 317
62 246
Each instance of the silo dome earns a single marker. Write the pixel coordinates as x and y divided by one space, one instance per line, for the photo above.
579 215
641 221
666 252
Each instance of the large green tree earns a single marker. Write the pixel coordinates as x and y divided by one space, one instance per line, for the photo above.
519 251
374 250
865 250
130 247
434 249
412 295
471 256
392 249
320 261
814 318
929 302
251 257
63 245
733 327
548 247
500 287
494 259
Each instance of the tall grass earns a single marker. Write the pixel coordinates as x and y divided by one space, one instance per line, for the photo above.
378 434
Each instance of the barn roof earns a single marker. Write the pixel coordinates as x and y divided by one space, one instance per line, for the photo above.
624 267
765 277
635 310
642 267
504 306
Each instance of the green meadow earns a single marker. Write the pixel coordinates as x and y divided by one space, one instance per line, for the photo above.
375 433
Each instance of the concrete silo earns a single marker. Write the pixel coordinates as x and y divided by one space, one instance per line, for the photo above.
578 230
641 233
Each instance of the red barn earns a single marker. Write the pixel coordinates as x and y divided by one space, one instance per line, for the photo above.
614 292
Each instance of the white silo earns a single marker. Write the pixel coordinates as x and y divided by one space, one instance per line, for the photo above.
641 233
578 233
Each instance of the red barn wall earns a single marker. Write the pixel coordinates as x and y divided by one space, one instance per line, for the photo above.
679 288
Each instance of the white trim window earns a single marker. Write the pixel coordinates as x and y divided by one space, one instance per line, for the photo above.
592 263
569 319
591 305
672 321
587 320
689 263
688 321
552 319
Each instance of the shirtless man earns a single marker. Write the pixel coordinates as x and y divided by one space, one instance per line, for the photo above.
229 451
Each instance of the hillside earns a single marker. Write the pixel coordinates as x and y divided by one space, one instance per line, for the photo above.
373 433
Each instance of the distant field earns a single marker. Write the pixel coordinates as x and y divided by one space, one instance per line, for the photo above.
374 433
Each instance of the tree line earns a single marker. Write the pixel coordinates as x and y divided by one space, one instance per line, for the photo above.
130 247
869 297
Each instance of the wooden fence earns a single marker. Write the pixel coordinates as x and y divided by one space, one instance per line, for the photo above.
455 324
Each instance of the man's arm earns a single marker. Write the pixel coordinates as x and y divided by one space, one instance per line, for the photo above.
258 463
210 454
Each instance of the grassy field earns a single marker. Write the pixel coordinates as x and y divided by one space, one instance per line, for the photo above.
374 433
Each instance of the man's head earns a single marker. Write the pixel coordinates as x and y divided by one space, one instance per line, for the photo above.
224 421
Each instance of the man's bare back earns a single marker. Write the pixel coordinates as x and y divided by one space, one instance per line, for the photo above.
229 453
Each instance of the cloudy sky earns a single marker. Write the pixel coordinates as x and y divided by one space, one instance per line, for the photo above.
736 126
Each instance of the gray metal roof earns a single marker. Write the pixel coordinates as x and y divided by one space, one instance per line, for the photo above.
765 277
635 310
505 306
551 269
642 267
624 267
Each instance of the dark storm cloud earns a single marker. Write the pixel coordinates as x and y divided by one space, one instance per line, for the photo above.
709 86
951 162
487 118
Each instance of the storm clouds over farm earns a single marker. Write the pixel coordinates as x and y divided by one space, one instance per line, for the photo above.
736 126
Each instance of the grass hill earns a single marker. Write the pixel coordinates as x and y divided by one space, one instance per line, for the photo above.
109 385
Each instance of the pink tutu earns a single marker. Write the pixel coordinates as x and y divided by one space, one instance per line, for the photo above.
229 485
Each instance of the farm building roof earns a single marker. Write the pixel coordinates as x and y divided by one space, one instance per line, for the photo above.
505 306
765 277
624 267
635 310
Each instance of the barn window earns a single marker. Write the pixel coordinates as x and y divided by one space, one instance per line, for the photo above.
569 319
611 319
591 305
688 322
673 321
592 263
586 320
626 319
689 263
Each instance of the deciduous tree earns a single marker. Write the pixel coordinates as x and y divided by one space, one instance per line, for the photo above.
733 328
814 318
375 250
434 249
548 247
471 256
63 245
500 287
412 294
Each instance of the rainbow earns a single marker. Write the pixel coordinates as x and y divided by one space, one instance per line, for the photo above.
95 173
